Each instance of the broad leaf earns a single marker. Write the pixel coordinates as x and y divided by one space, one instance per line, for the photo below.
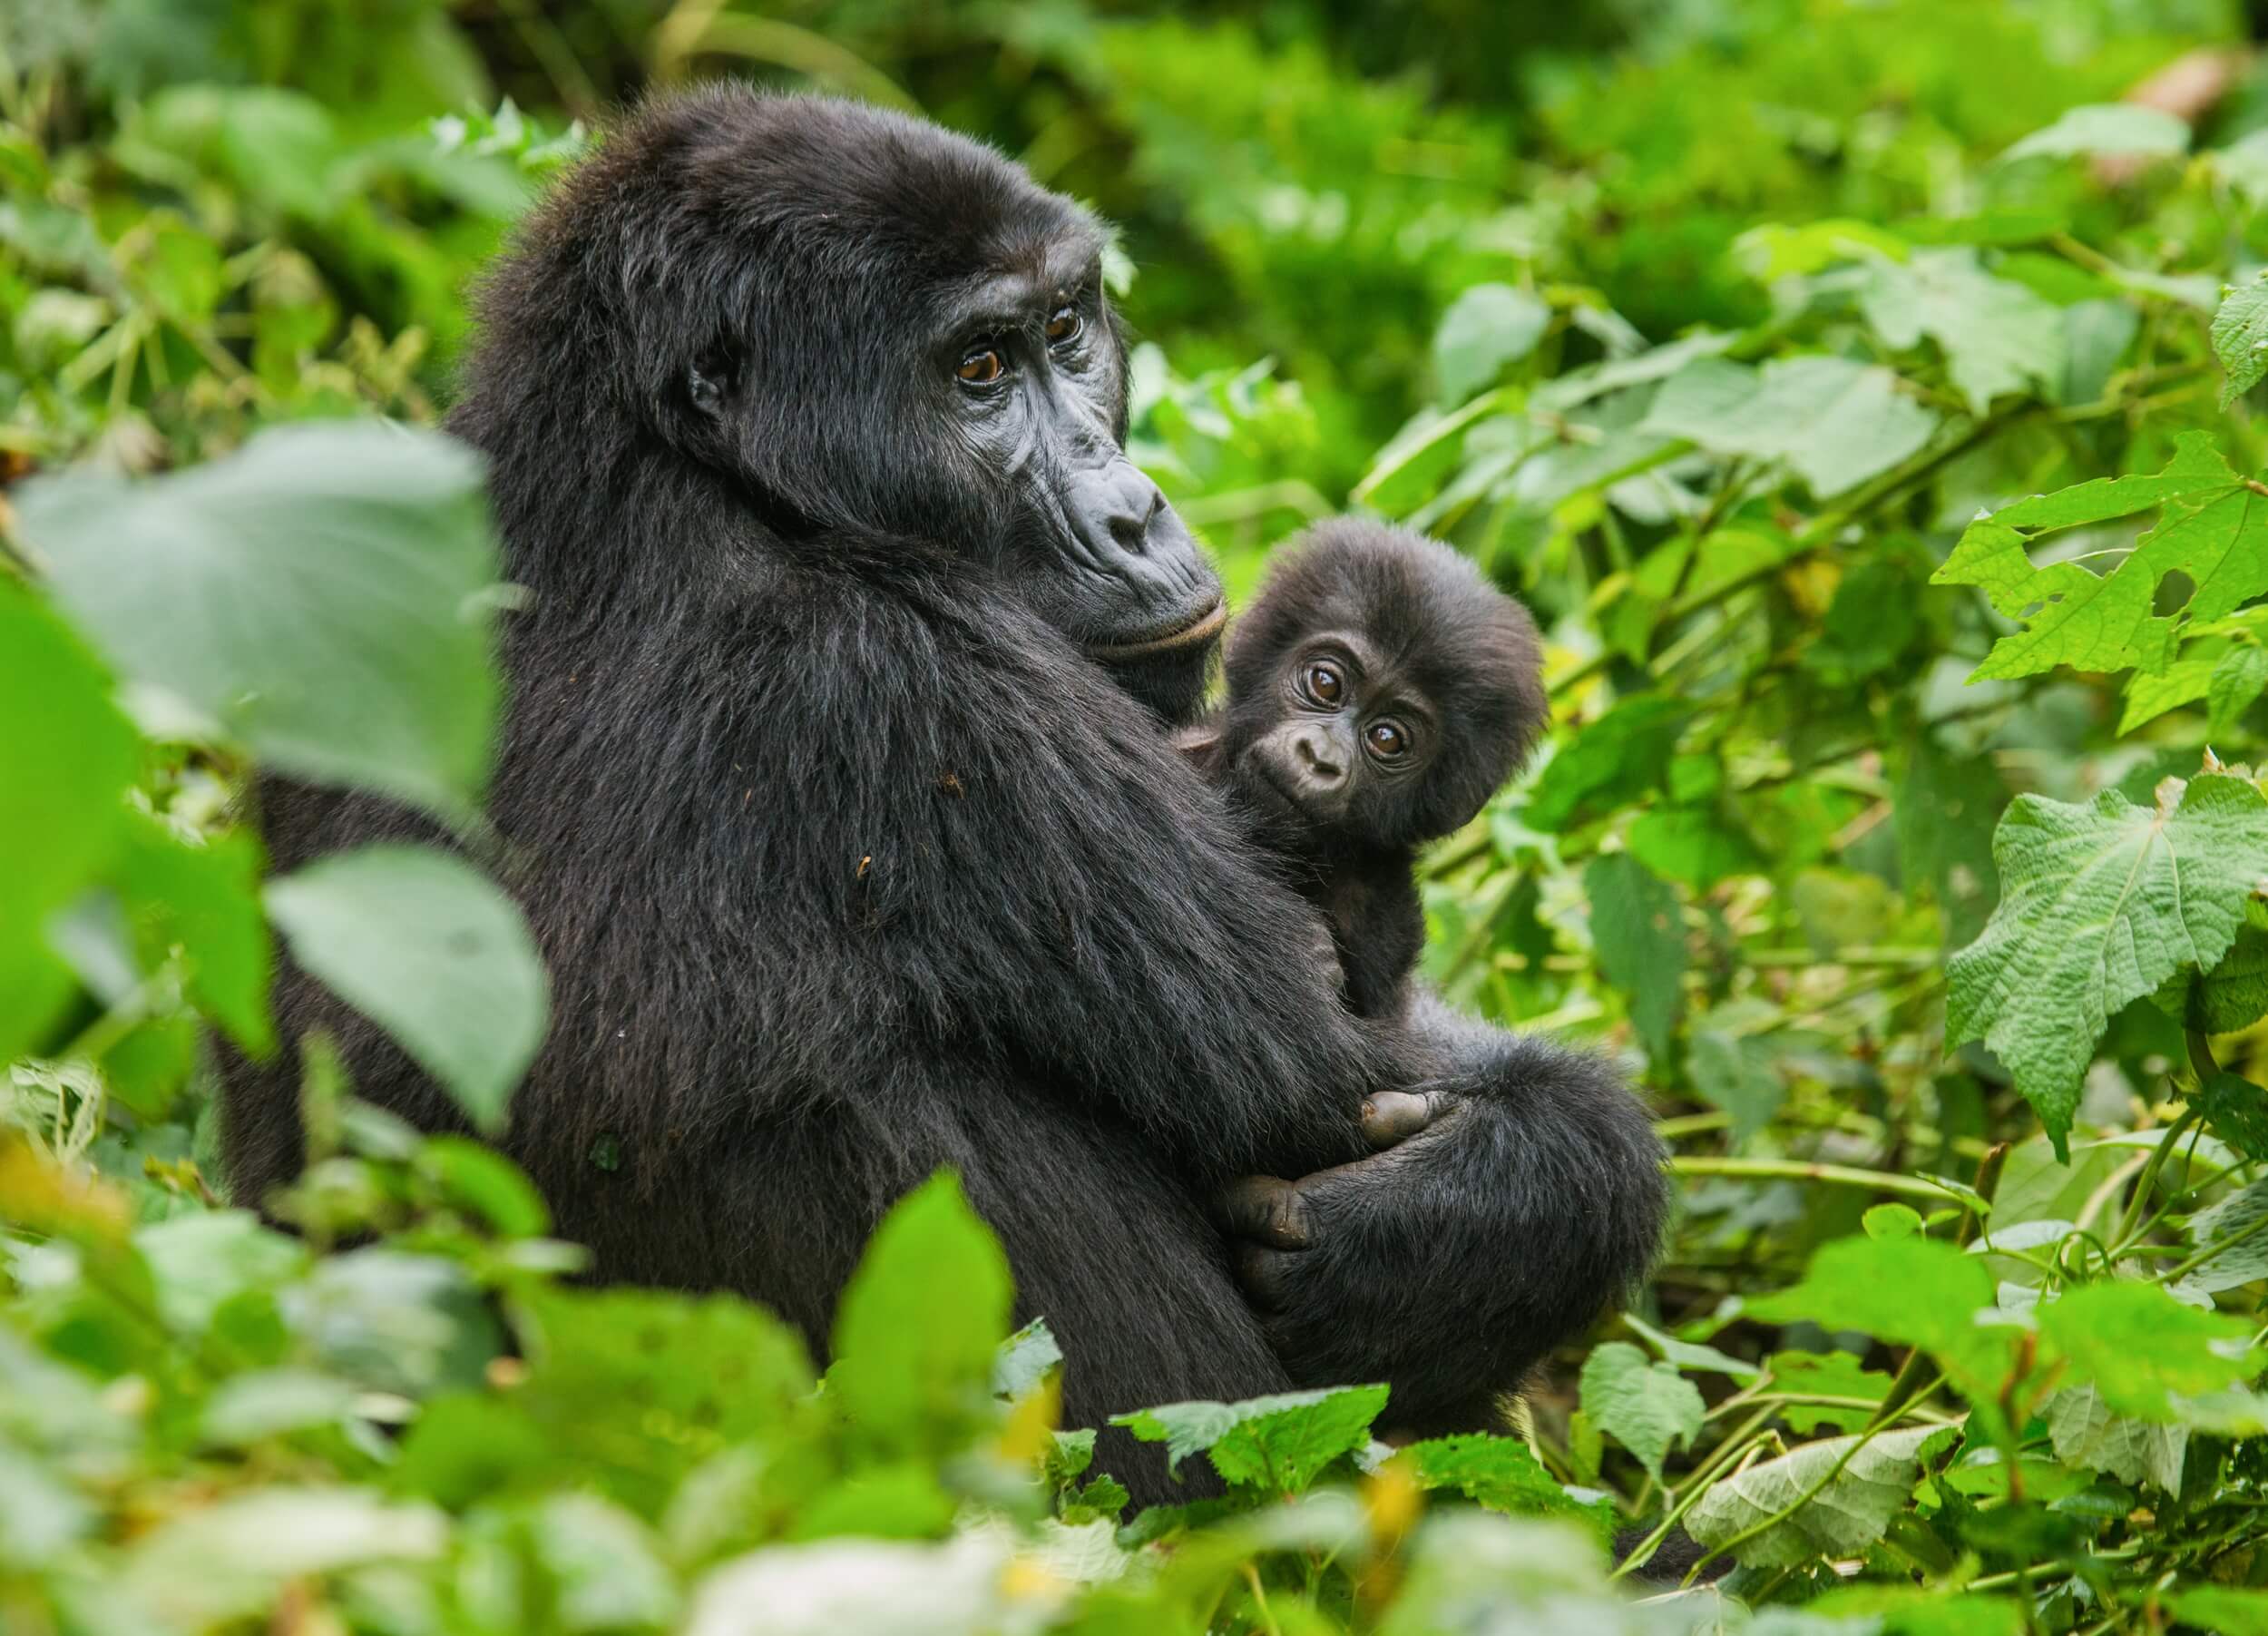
1501 1474
1836 421
2214 528
1639 935
2237 681
2100 904
1848 1511
322 596
2147 1353
921 1320
2085 1434
1621 755
2236 1217
1647 1407
1486 327
1918 1291
1279 1442
2105 128
1997 337
420 943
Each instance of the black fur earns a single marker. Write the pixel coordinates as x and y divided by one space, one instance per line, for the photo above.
848 861
1417 642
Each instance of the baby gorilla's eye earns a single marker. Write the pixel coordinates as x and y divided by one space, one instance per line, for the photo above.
982 366
1324 683
1064 325
1387 739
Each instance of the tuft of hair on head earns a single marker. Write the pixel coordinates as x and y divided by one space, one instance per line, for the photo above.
1471 647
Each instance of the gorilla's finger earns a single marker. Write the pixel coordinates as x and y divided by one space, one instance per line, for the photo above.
1266 1210
1265 1275
1395 1116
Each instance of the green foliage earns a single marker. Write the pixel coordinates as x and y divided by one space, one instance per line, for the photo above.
1793 359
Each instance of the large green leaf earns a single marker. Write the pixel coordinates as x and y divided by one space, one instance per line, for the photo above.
1997 337
919 1323
1486 327
1848 1513
2087 1435
1835 422
1918 1291
1639 935
66 757
420 943
1621 755
1647 1407
2105 128
2147 1355
1501 1474
323 595
2100 904
1280 1443
2240 338
2214 529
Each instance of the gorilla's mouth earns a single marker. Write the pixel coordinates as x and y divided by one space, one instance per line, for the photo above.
1201 627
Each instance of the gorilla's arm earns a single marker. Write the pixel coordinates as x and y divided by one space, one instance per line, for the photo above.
1529 1199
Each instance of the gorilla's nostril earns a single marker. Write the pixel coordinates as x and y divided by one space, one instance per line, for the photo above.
1318 761
1131 533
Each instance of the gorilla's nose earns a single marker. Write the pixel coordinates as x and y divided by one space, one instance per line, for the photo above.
1129 503
1320 762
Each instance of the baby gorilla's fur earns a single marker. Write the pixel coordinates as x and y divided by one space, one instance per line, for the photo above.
1380 690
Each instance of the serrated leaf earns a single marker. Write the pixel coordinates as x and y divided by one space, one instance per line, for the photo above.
1647 1407
1024 1360
2100 904
1997 336
1835 421
423 944
2240 339
2147 1353
1847 1515
2238 1111
1639 933
1826 1375
2232 1218
2105 128
1918 1291
1485 327
2151 693
204 896
2213 528
2085 1434
1501 1474
320 596
2233 995
919 1321
1280 1442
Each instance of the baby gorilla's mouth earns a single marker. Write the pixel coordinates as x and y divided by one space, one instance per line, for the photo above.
1200 628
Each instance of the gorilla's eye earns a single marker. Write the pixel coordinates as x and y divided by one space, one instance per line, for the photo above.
1323 681
1064 325
1387 739
982 366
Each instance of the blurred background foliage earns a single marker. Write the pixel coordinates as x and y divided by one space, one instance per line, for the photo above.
1710 326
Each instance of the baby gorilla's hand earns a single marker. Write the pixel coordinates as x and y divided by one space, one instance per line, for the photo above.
1270 1222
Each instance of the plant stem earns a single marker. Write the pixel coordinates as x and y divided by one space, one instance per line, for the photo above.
1799 1170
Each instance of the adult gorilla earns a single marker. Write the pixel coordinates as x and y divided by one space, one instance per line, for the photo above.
851 854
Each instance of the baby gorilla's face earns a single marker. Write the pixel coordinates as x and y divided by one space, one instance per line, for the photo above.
1339 741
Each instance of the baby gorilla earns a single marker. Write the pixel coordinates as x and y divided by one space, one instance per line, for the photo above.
1380 690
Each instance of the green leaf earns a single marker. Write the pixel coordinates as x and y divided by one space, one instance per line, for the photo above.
1623 754
2238 1216
204 896
2100 904
2144 1351
261 1404
2151 693
2085 1434
1835 422
1486 327
919 1323
1501 1474
2240 338
2233 995
324 595
424 946
1891 1222
1997 337
603 1571
67 757
2236 682
2214 528
2223 1610
1639 937
225 1561
1826 1375
1647 1407
1024 1360
1280 1443
1731 1063
2105 128
2238 1111
1848 1513
1417 456
1918 1291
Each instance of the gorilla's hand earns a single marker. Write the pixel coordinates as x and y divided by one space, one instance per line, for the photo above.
1270 1219
1509 1203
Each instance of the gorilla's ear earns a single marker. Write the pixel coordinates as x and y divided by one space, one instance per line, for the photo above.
709 381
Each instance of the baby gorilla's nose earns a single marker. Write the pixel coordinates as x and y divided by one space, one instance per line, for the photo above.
1319 758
